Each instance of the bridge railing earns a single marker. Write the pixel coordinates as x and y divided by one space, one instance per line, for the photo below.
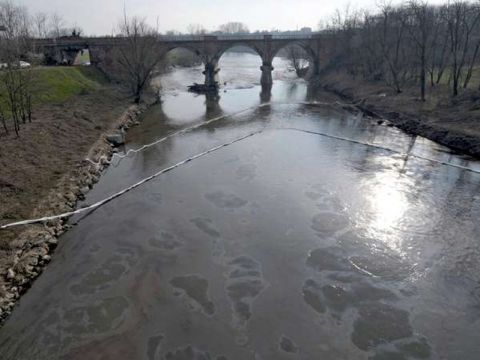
292 36
181 37
240 36
235 37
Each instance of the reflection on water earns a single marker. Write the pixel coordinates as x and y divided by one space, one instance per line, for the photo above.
287 244
389 204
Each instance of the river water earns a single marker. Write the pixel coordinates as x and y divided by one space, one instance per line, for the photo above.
287 244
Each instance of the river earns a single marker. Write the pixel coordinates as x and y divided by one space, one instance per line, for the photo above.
319 235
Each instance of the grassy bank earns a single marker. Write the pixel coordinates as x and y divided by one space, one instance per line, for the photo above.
72 107
43 170
59 84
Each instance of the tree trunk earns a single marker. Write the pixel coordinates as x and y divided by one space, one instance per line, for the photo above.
4 122
470 68
29 107
455 84
422 75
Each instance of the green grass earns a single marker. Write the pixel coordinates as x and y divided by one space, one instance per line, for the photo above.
58 84
474 81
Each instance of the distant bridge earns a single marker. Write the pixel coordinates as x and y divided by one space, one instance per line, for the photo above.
208 47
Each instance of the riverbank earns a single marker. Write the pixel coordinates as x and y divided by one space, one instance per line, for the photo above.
44 171
450 122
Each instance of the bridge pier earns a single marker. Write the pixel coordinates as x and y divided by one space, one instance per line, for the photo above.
266 80
211 74
266 94
212 104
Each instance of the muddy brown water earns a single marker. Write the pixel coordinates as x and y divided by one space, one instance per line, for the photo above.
285 245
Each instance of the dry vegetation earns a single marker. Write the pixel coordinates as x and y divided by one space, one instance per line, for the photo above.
413 43
50 117
137 55
414 64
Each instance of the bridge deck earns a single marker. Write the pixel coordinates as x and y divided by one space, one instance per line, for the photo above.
110 40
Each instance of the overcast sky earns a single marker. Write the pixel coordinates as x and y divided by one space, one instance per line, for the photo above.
98 17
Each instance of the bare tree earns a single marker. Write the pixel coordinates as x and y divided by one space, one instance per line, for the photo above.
471 65
138 54
16 81
196 29
475 38
298 59
391 38
15 19
40 23
404 44
57 26
461 20
437 50
233 28
172 33
419 25
368 50
3 119
76 31
344 24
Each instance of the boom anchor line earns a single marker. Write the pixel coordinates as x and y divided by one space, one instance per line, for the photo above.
206 152
205 123
176 133
383 148
121 192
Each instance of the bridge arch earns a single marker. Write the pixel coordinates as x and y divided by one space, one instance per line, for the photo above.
304 45
194 50
308 50
239 64
266 55
228 47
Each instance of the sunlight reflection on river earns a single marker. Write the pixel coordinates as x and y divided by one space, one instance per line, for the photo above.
322 236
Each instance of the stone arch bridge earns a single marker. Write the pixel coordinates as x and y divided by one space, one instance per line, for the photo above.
209 48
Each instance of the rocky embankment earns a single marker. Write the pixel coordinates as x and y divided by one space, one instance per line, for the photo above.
31 249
